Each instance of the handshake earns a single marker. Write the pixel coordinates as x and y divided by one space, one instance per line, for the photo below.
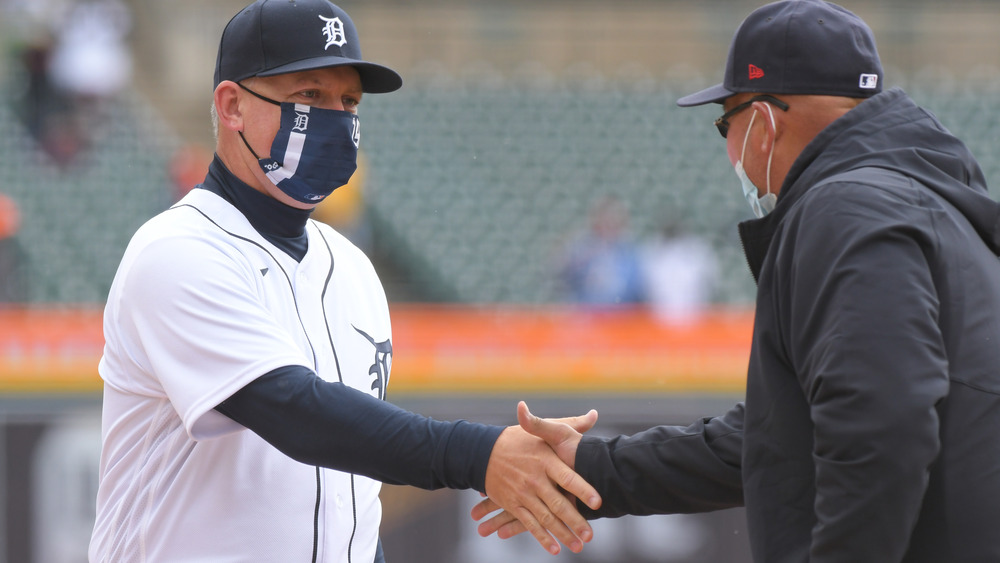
531 480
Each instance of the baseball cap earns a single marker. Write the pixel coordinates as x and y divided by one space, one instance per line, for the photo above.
272 37
799 47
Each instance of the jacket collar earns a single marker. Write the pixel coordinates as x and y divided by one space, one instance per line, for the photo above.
756 234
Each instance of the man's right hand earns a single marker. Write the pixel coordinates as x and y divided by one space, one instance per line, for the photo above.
563 438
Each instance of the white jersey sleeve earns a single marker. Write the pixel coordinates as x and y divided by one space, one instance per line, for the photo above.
189 311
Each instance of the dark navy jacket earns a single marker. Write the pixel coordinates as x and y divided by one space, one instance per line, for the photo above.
871 426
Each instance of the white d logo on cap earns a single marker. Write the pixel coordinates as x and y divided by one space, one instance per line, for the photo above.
333 30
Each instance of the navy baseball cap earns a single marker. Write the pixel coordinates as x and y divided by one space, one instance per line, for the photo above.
799 47
272 37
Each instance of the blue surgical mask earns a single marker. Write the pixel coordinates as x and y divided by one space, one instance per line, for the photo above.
764 204
314 152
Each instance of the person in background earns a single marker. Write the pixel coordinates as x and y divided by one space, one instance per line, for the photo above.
680 273
601 266
76 63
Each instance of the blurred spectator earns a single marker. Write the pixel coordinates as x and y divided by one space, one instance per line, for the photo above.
601 266
74 57
46 111
13 282
681 271
39 96
344 209
90 58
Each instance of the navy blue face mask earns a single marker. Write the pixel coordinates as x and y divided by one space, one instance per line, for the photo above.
314 152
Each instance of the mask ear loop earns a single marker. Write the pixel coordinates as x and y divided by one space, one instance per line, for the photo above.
746 136
774 126
253 152
270 101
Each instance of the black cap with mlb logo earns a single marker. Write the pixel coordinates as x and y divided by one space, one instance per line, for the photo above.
799 47
272 37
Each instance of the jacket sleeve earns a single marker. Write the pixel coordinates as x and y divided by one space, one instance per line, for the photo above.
666 469
868 352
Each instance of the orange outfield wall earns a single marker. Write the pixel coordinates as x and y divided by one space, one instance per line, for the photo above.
450 348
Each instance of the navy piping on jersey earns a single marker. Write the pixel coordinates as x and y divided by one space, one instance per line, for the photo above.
288 278
340 377
319 499
312 349
282 225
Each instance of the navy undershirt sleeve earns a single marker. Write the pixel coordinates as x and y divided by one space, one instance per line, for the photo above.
317 422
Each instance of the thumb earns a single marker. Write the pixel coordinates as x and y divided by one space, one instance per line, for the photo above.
559 435
529 422
554 431
582 423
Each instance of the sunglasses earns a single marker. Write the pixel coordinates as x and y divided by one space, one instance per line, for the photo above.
722 123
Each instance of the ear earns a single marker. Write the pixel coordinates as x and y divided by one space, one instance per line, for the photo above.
227 107
769 123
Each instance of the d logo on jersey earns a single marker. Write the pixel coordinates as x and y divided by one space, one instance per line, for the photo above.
383 363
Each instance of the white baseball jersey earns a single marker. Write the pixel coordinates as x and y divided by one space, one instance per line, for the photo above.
202 305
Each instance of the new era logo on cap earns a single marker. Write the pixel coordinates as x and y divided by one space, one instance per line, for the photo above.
755 72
